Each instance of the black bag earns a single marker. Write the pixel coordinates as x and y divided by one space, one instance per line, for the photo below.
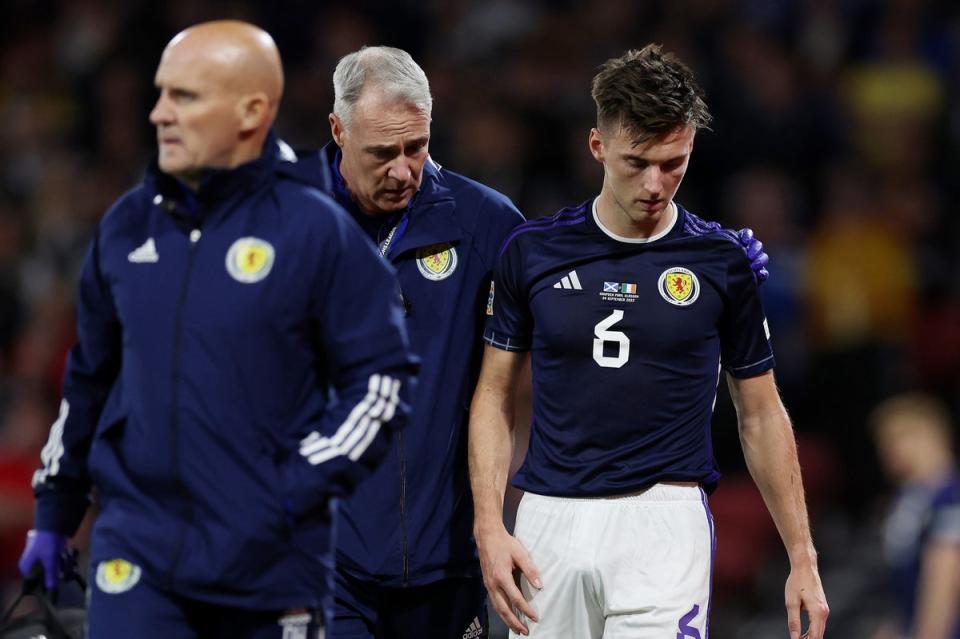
47 621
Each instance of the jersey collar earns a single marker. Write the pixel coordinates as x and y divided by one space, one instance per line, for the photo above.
674 216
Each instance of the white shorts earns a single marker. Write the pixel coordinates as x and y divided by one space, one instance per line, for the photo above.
632 567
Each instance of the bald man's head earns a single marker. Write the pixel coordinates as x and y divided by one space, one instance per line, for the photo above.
220 85
243 55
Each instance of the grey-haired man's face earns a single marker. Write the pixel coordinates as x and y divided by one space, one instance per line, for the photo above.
385 144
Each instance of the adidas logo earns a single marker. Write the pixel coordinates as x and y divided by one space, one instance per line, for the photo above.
144 254
569 282
474 630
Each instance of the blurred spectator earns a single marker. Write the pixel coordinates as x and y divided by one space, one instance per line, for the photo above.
767 201
922 531
896 94
861 277
491 147
858 288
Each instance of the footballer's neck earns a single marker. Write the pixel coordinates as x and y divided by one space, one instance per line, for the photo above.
632 223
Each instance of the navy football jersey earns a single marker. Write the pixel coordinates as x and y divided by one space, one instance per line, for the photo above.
627 339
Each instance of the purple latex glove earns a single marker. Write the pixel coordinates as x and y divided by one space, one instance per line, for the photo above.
48 548
754 249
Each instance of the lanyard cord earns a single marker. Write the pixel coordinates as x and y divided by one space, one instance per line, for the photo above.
384 248
393 236
387 241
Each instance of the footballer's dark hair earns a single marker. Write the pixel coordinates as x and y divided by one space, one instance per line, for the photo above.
648 93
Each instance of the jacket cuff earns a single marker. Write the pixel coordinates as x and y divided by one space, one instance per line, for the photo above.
60 513
304 488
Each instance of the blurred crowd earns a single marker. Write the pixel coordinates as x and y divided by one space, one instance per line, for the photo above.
836 138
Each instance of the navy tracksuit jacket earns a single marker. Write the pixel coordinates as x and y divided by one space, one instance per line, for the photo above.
411 522
213 329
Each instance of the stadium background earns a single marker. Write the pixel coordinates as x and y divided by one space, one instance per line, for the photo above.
836 138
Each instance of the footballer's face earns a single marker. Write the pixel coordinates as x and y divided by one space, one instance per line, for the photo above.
384 144
197 114
640 180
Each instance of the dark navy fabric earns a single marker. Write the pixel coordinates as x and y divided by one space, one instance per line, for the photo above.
411 523
198 403
454 608
148 612
921 515
627 339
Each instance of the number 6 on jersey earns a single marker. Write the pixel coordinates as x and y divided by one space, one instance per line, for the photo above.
604 335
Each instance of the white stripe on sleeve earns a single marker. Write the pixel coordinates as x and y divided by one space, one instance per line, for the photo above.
53 450
356 433
315 442
387 416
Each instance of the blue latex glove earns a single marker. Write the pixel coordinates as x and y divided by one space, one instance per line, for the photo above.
754 249
750 245
48 548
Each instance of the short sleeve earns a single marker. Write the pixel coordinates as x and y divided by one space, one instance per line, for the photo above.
509 325
945 523
744 333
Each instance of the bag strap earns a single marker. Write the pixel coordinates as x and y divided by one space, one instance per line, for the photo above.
33 586
9 612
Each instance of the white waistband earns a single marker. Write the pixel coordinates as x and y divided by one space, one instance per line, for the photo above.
664 491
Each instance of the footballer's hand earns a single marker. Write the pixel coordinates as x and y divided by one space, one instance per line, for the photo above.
805 592
755 253
500 555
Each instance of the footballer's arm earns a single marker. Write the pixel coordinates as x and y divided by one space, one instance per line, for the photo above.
938 594
490 452
770 450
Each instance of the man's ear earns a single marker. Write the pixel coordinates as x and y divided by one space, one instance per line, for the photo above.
336 128
254 112
596 144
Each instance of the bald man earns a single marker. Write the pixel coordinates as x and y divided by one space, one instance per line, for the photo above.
218 310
